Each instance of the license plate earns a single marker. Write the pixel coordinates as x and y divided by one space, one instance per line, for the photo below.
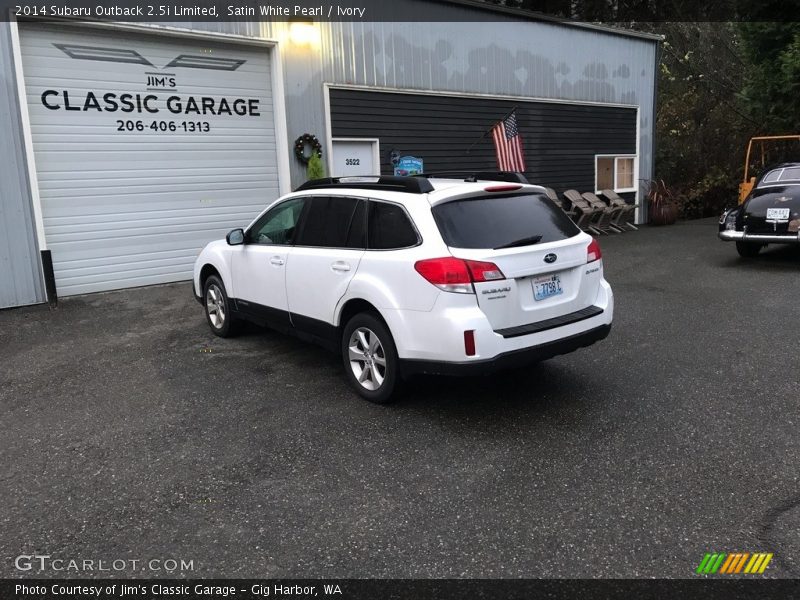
546 287
777 214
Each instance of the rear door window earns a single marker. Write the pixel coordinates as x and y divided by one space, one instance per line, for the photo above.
502 221
333 222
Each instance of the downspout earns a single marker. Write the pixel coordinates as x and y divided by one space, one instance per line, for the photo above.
644 208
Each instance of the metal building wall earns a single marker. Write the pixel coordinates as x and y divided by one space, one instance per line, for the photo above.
20 273
505 56
514 58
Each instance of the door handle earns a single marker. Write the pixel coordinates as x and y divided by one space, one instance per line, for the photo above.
276 260
340 266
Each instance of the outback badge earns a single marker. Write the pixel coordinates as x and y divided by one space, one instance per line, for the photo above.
550 258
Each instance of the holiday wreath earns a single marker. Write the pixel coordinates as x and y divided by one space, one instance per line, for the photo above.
300 144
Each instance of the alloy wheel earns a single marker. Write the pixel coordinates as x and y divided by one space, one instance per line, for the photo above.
215 305
367 358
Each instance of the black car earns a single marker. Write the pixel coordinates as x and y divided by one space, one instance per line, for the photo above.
769 215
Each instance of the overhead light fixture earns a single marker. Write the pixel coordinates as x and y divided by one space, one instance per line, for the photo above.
303 32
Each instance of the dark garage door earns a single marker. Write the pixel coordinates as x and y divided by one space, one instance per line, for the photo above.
560 140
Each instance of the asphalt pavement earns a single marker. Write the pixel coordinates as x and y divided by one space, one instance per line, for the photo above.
129 432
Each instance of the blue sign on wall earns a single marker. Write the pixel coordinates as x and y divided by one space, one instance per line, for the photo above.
408 165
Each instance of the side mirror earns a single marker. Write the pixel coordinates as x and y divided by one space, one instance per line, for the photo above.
235 237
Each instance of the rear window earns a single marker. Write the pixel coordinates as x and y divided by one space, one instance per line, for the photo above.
781 175
502 221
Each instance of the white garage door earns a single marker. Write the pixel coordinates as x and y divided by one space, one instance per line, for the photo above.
146 148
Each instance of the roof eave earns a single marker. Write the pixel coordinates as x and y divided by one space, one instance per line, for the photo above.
536 16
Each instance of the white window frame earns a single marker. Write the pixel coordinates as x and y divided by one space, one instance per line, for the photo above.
616 158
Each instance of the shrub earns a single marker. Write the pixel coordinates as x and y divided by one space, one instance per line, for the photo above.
315 170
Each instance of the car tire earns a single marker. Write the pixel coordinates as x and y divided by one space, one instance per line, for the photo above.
366 343
748 249
218 308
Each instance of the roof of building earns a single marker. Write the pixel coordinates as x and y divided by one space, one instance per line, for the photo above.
536 16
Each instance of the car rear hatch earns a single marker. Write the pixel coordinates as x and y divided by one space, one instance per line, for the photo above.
773 210
540 252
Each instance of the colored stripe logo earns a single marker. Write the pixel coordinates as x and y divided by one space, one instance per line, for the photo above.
734 563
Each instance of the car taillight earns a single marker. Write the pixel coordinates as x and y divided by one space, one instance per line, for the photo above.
502 188
484 271
593 252
457 275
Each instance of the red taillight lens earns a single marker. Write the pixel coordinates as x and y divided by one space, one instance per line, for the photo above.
484 271
502 188
457 275
593 252
443 271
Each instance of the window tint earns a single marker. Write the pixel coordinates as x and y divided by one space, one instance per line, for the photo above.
357 236
498 221
389 227
277 227
328 222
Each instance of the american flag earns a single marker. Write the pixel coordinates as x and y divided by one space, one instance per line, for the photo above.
508 144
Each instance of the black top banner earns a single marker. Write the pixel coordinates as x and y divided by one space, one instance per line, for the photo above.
394 589
626 12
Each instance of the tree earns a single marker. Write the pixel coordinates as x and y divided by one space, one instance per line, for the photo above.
771 91
701 126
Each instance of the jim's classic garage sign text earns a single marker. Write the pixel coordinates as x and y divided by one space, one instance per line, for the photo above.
149 104
145 104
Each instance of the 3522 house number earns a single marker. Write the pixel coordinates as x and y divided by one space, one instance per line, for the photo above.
164 126
352 161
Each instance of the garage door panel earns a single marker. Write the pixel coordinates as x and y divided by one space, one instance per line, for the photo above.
123 252
77 275
224 182
137 205
85 233
118 281
196 155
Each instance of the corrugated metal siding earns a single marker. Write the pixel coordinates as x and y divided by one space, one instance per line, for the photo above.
20 273
507 56
561 140
512 58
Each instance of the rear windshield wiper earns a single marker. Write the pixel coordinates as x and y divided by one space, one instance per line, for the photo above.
526 241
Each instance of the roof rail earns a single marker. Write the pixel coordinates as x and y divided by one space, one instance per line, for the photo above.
472 176
410 185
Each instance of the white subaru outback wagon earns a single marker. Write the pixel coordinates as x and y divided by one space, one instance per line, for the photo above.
406 275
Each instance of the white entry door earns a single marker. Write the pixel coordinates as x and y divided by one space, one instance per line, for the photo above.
355 157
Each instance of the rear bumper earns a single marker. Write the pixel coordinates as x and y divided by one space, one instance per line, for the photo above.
758 238
507 360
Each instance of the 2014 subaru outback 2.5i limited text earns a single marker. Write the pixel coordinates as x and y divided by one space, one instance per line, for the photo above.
408 275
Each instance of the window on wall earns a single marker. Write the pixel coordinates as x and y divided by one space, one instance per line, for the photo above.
616 173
